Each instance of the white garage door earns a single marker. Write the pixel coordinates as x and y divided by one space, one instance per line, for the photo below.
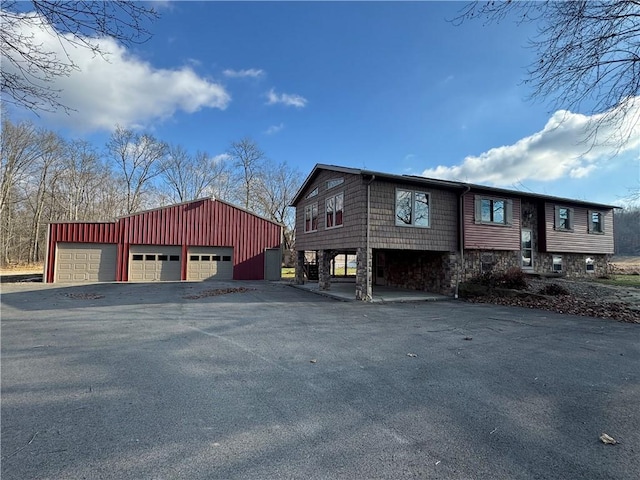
154 263
214 263
85 262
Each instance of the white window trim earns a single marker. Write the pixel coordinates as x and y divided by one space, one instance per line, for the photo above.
555 255
413 202
334 182
334 211
508 211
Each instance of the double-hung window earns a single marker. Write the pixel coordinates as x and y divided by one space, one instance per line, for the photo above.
596 222
493 211
335 206
311 217
412 208
564 218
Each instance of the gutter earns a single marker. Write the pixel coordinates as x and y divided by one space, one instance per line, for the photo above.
461 239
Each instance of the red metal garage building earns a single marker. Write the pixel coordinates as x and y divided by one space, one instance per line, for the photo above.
196 240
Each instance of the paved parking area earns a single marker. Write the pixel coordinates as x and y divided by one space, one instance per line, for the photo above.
131 381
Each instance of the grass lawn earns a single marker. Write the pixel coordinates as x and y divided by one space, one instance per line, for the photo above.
621 280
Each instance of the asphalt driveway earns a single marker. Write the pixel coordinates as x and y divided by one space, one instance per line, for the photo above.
131 381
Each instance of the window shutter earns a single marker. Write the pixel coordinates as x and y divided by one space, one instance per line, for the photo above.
508 214
556 223
590 221
478 205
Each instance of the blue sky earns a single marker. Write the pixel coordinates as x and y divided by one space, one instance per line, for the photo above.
387 86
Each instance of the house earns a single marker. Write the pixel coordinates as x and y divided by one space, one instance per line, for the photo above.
197 240
427 234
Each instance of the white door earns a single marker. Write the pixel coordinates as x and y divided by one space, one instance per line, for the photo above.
85 262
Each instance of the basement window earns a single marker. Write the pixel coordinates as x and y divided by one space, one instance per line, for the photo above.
557 263
590 264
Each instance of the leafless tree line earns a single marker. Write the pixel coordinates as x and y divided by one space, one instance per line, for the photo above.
47 178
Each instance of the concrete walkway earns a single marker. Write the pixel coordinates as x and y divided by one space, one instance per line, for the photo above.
346 292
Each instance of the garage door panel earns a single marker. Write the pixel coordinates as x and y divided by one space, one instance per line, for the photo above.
215 263
85 262
154 263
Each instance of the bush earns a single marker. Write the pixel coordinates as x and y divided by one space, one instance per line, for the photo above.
513 278
553 289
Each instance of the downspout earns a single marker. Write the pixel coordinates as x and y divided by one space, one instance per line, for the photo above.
369 288
461 239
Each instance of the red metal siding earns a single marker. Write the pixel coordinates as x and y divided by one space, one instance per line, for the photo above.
77 233
579 240
201 223
207 223
490 237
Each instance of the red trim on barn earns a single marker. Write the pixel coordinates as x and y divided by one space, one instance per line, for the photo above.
204 222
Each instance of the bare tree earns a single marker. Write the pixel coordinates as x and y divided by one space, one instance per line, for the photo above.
277 187
20 150
587 56
137 159
248 160
30 68
194 176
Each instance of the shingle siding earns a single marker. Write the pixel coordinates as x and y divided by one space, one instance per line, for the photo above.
442 234
353 231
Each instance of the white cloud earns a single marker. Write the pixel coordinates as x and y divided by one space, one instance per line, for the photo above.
251 72
221 158
289 99
570 144
121 88
273 129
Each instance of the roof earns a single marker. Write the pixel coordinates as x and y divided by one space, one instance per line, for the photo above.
198 200
446 184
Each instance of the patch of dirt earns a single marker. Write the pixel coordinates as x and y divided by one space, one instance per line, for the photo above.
84 296
625 265
216 292
586 298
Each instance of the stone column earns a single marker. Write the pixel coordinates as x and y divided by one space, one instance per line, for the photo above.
324 269
364 278
300 268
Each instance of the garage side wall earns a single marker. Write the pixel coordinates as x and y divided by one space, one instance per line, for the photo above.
204 223
103 232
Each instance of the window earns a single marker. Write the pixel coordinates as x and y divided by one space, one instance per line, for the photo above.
215 258
526 247
557 263
163 258
334 210
564 218
311 218
174 258
590 264
137 257
150 257
205 258
194 258
334 182
412 208
596 222
313 193
226 258
493 211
